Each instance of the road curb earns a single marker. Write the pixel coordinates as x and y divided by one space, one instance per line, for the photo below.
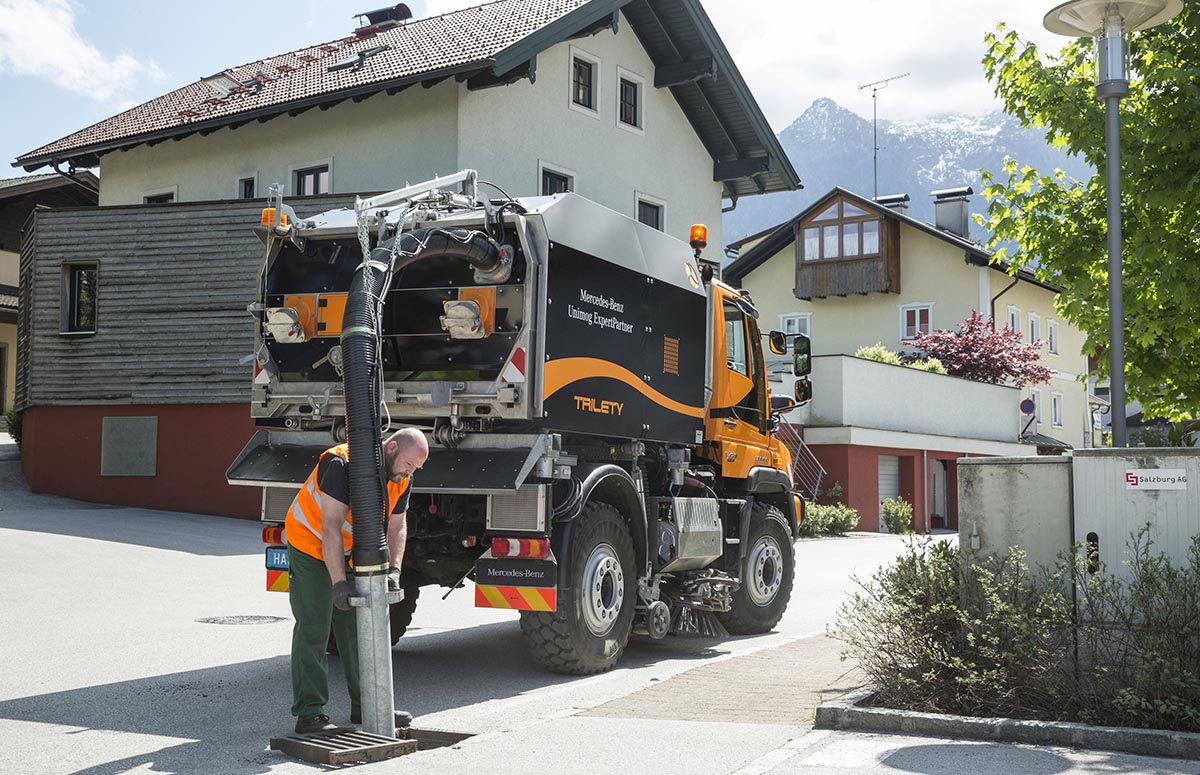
848 712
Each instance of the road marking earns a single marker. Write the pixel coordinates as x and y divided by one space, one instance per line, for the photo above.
773 759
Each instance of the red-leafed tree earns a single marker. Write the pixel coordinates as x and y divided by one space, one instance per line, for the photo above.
976 351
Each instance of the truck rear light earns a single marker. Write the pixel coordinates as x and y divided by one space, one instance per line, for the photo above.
530 548
273 534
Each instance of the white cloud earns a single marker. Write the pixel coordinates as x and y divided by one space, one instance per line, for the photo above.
38 39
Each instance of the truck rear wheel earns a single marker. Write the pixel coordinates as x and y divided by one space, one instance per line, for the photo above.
759 603
588 632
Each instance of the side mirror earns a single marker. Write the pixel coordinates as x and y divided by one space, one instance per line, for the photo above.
782 404
802 355
803 391
777 340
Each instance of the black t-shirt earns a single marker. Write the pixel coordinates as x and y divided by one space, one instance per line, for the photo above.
333 477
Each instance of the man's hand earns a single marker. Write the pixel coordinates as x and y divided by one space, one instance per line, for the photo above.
393 579
342 592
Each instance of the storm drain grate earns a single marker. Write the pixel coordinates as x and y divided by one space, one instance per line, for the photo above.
241 620
345 746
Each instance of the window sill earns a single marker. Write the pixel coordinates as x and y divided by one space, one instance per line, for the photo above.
591 112
632 129
76 334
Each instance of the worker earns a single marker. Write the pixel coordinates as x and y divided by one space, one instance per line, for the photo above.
319 537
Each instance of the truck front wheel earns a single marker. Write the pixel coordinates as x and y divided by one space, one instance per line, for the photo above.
759 603
589 630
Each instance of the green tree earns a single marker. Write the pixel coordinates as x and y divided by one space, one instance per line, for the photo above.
1061 221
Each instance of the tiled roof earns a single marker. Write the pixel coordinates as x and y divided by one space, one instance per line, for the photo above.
445 44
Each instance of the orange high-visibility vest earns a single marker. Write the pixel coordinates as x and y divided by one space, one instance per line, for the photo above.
303 523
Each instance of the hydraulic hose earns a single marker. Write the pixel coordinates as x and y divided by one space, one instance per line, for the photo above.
361 377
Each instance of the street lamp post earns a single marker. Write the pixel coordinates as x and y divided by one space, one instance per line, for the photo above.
1108 22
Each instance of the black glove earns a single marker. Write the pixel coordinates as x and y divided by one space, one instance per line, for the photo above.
342 592
393 579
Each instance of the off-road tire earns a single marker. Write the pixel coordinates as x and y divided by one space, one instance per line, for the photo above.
759 603
562 641
399 614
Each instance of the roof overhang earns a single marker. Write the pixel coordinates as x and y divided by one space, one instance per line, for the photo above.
19 187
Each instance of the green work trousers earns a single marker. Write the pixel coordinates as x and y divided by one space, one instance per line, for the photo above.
311 594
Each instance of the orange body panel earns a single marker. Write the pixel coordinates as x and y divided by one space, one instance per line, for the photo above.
486 299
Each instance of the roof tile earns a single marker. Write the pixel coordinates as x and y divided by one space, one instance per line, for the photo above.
466 37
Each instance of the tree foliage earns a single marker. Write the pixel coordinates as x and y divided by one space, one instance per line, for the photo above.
976 351
1061 222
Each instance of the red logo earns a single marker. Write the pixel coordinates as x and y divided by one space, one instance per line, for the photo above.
1131 479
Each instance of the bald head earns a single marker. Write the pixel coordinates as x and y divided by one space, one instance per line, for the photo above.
405 451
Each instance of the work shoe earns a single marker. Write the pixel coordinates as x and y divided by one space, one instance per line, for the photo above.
403 718
309 724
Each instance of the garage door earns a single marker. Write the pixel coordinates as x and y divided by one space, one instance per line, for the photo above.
889 483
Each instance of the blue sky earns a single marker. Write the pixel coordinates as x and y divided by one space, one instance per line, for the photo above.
66 64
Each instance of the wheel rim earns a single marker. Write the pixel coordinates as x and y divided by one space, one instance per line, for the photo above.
766 570
603 589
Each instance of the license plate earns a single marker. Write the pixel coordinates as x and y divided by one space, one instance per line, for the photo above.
277 558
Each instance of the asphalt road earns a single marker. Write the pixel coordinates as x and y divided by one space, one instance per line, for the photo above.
113 662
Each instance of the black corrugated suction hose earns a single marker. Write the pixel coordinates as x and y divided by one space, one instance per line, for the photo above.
360 381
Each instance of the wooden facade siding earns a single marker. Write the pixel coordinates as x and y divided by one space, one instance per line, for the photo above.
172 290
25 311
819 279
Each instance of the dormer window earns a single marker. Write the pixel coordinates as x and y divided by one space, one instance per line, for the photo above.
841 230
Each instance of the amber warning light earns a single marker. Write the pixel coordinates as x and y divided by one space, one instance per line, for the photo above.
699 236
268 217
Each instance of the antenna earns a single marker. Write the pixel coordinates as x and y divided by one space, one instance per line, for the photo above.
875 86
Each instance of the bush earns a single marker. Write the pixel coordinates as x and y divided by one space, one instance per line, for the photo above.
837 519
929 364
835 492
993 638
897 515
13 418
877 352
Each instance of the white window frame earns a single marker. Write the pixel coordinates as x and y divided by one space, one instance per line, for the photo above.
1014 319
806 317
557 169
294 168
628 75
1052 337
237 194
597 92
172 190
650 199
1036 396
1035 327
913 307
1056 409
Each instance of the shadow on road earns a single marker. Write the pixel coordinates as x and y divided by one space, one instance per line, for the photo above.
175 531
228 713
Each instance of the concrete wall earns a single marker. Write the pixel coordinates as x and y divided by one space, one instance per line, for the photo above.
1022 501
374 145
505 132
852 391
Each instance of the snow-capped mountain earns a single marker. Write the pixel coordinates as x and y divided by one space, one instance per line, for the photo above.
831 146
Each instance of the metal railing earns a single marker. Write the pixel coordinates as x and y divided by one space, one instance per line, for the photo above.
807 471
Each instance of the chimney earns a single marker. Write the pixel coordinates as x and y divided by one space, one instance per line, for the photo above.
951 208
897 202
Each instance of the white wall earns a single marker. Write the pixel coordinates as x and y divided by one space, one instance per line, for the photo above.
9 267
503 132
375 145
